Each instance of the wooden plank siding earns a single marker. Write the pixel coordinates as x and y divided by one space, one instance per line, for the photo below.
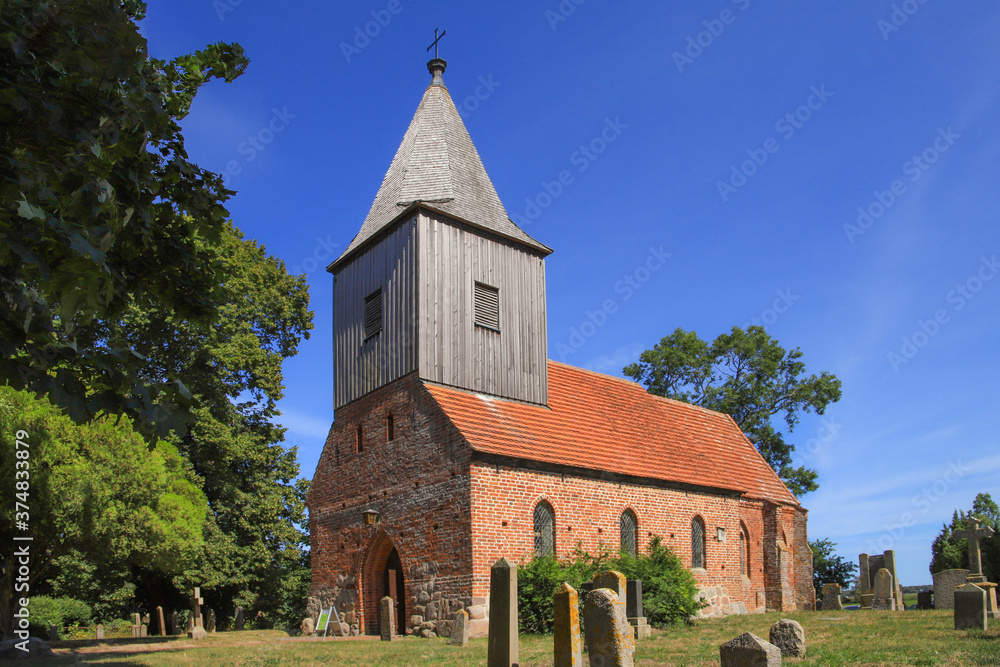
510 363
361 365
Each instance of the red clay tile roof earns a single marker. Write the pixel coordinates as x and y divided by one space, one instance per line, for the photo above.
608 424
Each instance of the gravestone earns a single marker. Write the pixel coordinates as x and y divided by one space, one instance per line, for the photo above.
307 626
210 621
566 645
143 630
460 628
613 580
831 597
634 609
972 536
239 620
175 623
925 600
610 639
196 628
54 633
970 607
789 637
945 583
136 622
876 562
503 641
885 593
866 600
100 632
864 576
749 650
387 619
159 616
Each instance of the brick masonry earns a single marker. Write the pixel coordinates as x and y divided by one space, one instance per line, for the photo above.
450 516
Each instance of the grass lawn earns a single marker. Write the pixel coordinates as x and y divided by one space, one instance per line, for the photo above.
833 638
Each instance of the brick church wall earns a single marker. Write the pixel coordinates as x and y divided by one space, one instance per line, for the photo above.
587 512
418 483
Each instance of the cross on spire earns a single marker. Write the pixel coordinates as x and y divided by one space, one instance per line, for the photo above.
437 38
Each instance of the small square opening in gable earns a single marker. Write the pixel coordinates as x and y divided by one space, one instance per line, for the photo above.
373 313
487 306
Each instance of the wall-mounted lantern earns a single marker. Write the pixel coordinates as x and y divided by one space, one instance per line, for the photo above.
371 517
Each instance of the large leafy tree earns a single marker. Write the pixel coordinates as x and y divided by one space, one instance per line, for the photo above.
101 212
828 566
98 497
950 552
748 375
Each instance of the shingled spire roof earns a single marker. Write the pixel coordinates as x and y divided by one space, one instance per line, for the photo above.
438 167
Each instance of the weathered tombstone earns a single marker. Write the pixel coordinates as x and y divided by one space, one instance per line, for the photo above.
831 597
460 628
100 632
749 650
307 626
613 580
866 600
566 646
210 621
53 633
136 622
175 623
634 610
503 642
970 607
972 536
789 637
387 619
610 640
159 616
238 621
889 560
925 600
864 576
945 583
143 631
196 628
885 591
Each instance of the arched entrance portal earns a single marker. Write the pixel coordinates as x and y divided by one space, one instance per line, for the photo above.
383 576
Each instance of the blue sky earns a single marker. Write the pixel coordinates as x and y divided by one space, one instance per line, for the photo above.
829 171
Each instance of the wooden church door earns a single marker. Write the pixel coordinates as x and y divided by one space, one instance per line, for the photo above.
394 587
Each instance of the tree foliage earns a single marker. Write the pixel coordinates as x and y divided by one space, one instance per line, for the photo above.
829 567
950 552
748 375
95 490
101 212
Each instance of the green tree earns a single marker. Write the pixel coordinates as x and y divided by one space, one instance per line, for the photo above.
95 489
747 375
829 567
950 552
101 212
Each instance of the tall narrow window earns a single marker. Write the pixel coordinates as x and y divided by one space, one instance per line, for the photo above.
373 313
697 542
361 440
744 551
629 528
487 307
545 539
389 428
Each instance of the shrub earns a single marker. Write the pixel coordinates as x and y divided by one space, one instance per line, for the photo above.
669 590
60 612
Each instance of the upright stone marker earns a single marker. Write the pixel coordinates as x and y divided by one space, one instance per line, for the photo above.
136 622
503 642
53 633
210 622
945 583
196 629
885 591
831 597
100 632
972 536
159 617
610 640
566 645
460 628
925 600
613 580
749 650
864 576
238 621
387 619
970 607
789 637
634 609
175 623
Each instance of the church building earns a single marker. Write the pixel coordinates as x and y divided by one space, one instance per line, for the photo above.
456 441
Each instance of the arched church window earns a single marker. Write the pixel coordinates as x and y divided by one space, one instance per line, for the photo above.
545 530
744 550
629 527
697 542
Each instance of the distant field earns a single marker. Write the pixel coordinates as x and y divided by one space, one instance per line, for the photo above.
833 638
